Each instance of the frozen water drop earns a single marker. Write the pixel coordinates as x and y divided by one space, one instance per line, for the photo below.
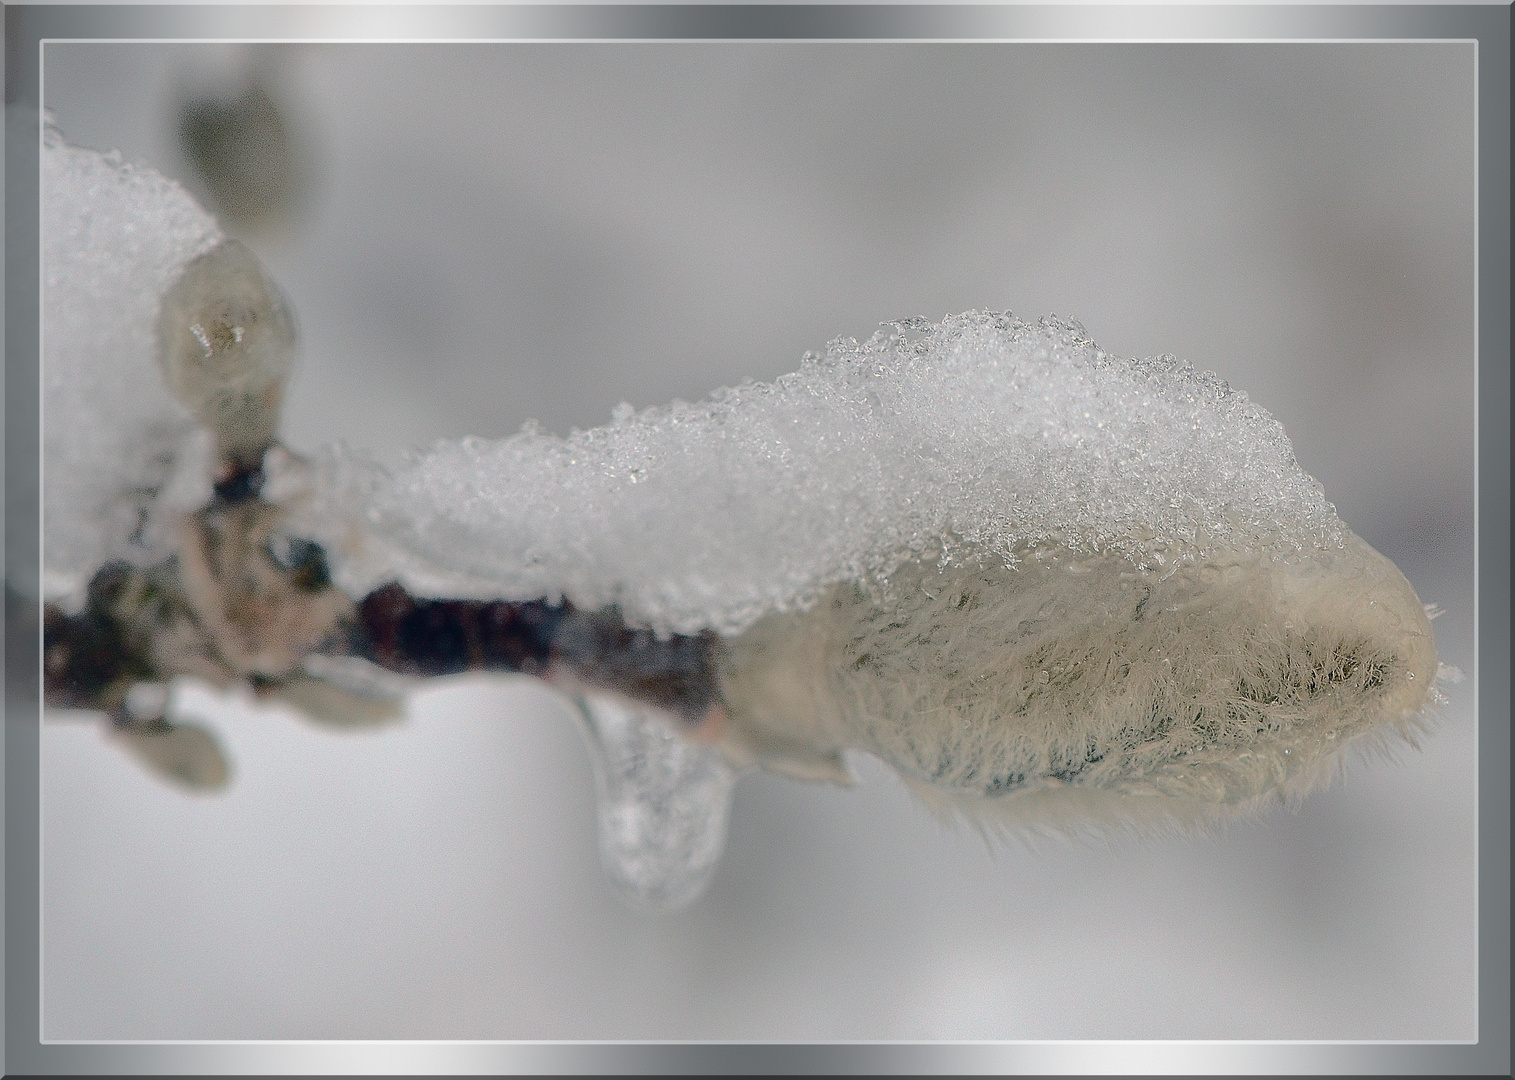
663 803
226 342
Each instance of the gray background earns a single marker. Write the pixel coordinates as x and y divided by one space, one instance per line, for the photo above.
499 232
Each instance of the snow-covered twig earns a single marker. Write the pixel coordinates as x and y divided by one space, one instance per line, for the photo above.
1050 586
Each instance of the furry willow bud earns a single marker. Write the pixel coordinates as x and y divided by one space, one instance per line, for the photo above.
1047 584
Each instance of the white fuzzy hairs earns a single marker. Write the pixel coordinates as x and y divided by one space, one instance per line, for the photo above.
1077 690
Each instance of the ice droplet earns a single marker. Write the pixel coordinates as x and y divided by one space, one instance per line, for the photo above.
663 803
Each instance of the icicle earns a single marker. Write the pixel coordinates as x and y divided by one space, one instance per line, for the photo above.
663 803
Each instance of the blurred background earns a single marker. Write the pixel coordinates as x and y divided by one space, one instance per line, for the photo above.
475 235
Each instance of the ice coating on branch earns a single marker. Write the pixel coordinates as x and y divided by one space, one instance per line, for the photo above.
979 435
115 237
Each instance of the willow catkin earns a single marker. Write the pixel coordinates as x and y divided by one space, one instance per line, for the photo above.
1077 690
1043 582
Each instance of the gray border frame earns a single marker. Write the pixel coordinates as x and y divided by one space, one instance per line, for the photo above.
27 25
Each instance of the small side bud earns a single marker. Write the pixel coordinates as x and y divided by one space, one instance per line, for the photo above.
226 344
186 754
